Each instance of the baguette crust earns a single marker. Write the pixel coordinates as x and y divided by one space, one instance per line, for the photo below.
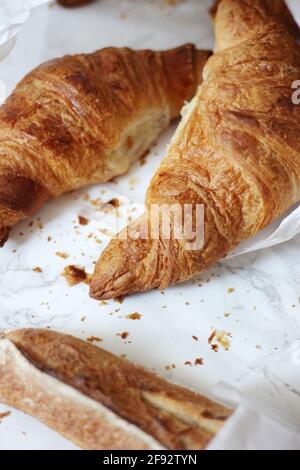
237 152
85 119
100 401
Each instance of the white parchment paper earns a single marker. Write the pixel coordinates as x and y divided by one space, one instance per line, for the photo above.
25 297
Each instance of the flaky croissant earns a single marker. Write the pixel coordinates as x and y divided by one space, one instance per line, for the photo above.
84 119
237 152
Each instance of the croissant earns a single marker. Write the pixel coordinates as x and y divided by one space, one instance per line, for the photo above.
84 119
237 152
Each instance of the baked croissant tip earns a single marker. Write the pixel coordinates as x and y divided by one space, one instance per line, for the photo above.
4 234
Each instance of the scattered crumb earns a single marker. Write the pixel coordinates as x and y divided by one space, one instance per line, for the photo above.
94 339
21 234
40 225
188 363
120 299
5 414
230 290
62 254
187 303
30 224
226 314
169 367
199 361
123 356
134 316
83 318
123 335
14 250
221 337
254 308
75 275
195 338
114 202
49 238
37 269
103 302
83 220
258 347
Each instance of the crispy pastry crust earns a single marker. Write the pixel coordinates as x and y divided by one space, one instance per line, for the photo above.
98 400
237 151
84 119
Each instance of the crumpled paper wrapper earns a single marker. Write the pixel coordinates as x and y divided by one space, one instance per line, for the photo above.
259 422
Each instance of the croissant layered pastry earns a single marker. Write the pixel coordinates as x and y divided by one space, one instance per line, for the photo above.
84 119
237 152
101 401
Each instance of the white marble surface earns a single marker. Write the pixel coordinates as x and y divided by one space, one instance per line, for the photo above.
261 314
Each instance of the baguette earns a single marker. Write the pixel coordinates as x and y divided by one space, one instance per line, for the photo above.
98 400
85 119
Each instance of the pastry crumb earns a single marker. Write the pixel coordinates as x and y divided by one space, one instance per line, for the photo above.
219 337
5 414
83 220
199 361
133 316
94 339
123 335
62 255
75 275
37 269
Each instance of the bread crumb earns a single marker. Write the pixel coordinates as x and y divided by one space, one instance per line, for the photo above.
5 414
37 269
221 337
62 254
133 316
123 335
75 275
114 202
94 339
199 361
83 220
230 290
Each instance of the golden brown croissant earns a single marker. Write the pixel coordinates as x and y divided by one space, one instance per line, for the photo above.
84 119
237 151
101 401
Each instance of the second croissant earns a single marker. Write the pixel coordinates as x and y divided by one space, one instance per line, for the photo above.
84 119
